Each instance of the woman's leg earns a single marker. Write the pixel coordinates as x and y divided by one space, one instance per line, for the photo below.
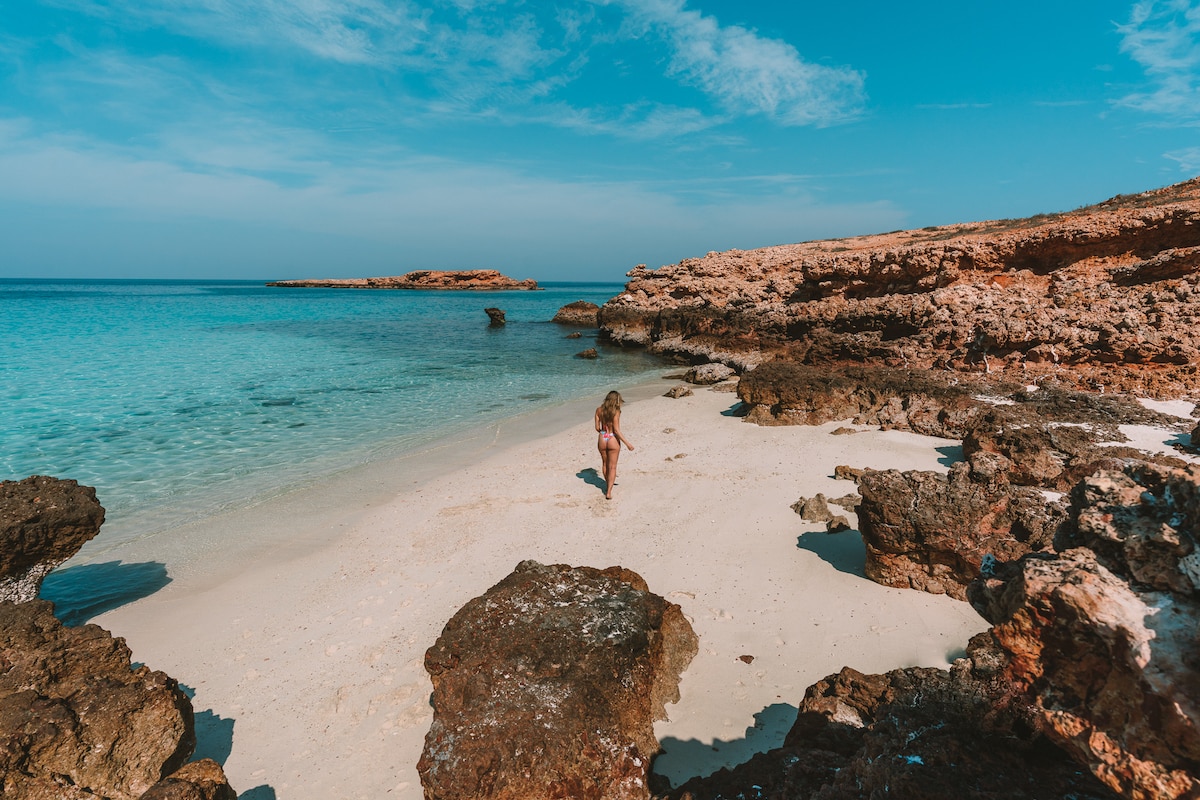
611 452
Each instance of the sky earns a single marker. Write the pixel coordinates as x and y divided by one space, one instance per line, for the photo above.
563 140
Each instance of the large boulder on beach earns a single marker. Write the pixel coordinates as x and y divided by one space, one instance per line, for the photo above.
548 685
938 533
43 522
77 719
580 314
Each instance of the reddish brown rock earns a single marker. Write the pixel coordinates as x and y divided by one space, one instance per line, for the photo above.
495 317
1103 297
912 733
590 353
708 374
76 719
937 533
1056 437
1104 641
43 522
468 280
930 403
548 686
198 780
580 314
676 392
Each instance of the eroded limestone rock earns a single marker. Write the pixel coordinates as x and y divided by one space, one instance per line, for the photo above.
548 686
76 719
916 732
938 533
43 522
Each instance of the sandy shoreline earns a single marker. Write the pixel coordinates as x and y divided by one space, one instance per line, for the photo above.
305 652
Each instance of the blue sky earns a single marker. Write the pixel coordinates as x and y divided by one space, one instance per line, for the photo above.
563 140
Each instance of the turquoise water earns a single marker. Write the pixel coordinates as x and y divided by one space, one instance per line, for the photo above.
179 399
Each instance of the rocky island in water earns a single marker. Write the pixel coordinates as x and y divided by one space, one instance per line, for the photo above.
478 280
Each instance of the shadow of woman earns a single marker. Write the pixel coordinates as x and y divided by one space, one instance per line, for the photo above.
592 477
88 590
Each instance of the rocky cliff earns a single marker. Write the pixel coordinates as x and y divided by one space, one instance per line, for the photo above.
469 280
1107 296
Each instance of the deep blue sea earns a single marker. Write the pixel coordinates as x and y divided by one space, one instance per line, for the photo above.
179 399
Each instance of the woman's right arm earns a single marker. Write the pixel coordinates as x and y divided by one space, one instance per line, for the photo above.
616 426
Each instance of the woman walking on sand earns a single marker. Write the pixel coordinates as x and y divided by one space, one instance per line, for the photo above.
608 425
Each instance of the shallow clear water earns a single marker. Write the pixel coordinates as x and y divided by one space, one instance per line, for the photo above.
177 399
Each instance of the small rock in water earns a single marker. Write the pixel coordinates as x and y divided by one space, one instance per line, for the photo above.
496 316
589 353
575 335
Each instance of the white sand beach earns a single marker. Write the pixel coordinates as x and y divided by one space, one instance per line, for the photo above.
301 624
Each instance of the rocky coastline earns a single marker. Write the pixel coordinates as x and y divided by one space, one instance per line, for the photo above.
472 280
1029 340
1102 298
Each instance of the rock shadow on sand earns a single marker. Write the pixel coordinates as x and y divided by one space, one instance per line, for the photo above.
949 455
684 759
844 550
214 733
81 593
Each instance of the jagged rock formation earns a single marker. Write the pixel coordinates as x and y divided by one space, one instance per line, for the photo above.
1093 661
78 722
1103 637
1051 436
937 533
1106 296
43 522
548 686
580 314
495 317
469 279
916 732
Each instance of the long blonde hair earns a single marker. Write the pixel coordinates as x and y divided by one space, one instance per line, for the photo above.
611 407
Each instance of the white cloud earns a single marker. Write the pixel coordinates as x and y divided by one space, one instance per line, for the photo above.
410 210
1163 36
748 73
1188 159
